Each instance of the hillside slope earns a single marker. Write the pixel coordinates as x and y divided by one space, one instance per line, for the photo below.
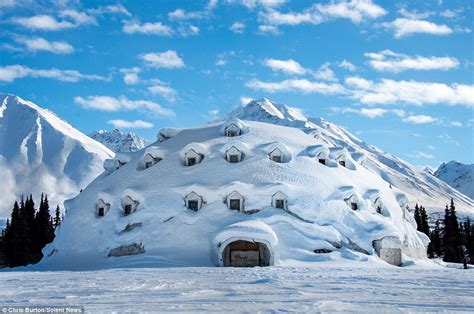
41 153
120 142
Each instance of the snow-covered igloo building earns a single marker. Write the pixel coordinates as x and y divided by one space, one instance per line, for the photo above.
259 212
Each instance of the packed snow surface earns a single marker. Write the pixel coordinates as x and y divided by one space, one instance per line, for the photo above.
457 175
325 288
120 142
41 153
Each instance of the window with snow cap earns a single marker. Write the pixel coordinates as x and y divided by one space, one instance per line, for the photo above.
232 130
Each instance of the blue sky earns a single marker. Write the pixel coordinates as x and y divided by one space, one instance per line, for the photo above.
398 74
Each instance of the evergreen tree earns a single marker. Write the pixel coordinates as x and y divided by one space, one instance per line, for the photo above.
451 238
43 228
417 217
57 217
425 228
436 241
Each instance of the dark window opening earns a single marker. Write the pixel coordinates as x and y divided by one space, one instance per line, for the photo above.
231 134
342 163
234 205
101 211
322 161
233 159
148 164
127 209
192 161
193 205
354 206
280 204
379 209
277 159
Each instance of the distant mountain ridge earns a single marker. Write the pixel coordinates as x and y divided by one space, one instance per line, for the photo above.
120 142
457 175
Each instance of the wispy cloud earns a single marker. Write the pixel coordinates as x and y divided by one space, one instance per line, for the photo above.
420 119
390 61
67 19
289 66
387 91
347 65
108 103
167 60
296 85
268 30
252 4
370 113
124 124
34 44
404 26
161 88
12 72
237 27
357 11
130 76
157 28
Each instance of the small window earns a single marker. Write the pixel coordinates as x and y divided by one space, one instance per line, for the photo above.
342 163
354 206
280 204
277 159
128 209
193 205
378 209
192 161
322 161
231 133
148 164
101 211
234 205
233 159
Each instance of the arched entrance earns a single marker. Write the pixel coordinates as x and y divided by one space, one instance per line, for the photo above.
242 253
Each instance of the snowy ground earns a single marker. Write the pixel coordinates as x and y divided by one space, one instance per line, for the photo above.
326 288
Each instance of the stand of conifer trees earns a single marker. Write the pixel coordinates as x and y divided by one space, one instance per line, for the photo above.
454 242
27 232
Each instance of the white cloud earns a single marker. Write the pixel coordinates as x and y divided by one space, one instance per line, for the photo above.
388 91
370 113
12 72
237 27
180 14
403 27
347 65
390 61
34 44
456 124
42 22
252 4
325 73
420 119
221 62
167 60
356 11
157 28
108 103
110 9
78 18
188 30
289 66
162 89
301 85
124 124
268 29
130 76
245 100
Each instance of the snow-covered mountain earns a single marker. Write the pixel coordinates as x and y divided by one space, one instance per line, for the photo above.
242 191
120 142
40 152
457 175
420 186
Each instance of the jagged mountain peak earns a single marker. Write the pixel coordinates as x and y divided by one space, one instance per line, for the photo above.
457 175
119 141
